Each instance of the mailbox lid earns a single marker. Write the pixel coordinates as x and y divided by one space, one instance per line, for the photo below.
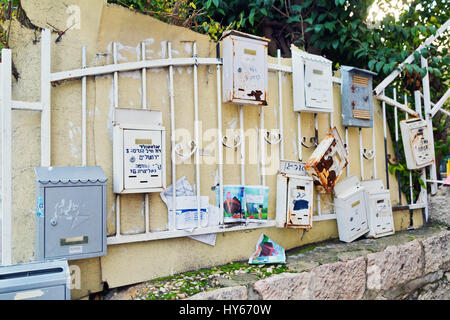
54 175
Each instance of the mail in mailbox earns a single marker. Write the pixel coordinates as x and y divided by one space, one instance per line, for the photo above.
419 151
71 212
327 162
357 100
245 68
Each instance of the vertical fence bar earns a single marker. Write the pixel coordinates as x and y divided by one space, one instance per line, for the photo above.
280 105
197 136
374 150
411 194
6 135
385 144
361 151
241 120
427 107
262 147
172 121
316 137
144 106
299 137
423 190
46 98
347 147
83 110
397 147
116 105
219 141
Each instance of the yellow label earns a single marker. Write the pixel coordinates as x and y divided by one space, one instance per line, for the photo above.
355 203
143 141
250 51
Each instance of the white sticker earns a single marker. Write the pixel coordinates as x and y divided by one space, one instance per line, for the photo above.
29 295
75 250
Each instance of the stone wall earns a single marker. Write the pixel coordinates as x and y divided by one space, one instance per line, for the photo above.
419 269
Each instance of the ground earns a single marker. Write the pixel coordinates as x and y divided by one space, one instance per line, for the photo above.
300 259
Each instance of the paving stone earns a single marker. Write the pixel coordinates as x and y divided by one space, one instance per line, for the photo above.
436 252
340 280
394 266
285 286
228 293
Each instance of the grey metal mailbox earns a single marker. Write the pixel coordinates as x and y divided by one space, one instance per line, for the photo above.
45 280
71 212
357 100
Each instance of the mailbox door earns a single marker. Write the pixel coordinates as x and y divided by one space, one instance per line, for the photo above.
250 70
382 215
142 156
73 221
361 97
421 148
357 213
45 293
318 85
299 202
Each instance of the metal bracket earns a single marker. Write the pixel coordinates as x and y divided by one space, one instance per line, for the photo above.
368 154
391 162
272 138
237 142
313 140
183 157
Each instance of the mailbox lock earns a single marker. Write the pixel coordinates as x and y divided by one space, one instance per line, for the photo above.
53 222
366 98
309 84
132 159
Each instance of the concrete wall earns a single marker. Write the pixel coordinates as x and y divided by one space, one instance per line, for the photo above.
101 24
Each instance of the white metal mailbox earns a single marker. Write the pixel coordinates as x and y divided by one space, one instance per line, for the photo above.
416 137
294 196
138 151
327 162
43 280
379 216
245 71
312 82
71 212
350 205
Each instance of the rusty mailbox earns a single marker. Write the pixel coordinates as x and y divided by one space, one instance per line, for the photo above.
294 196
379 214
351 207
312 82
416 137
357 101
245 68
327 162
